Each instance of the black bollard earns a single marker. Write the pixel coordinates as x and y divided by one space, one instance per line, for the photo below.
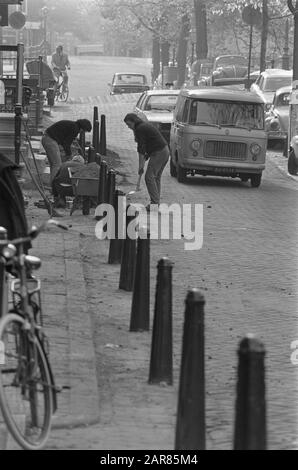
190 426
103 136
161 363
96 136
116 244
101 199
250 423
91 154
82 143
111 185
95 115
140 309
128 259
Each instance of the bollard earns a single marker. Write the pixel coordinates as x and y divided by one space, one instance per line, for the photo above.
190 426
111 185
95 137
95 115
101 199
82 143
250 422
103 136
161 363
140 309
86 204
91 154
128 259
116 244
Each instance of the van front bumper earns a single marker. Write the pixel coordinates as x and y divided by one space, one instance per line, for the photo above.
221 167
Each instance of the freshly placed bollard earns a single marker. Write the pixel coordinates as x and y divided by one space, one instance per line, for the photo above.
161 363
95 115
111 185
250 424
128 259
116 243
101 199
140 309
82 143
91 154
190 426
95 140
103 136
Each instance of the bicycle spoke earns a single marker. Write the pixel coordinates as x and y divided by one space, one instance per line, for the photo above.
25 386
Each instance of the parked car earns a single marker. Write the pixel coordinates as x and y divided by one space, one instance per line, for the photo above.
277 119
228 67
220 132
269 81
128 83
157 106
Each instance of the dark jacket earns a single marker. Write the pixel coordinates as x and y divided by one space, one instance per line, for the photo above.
12 210
64 133
148 138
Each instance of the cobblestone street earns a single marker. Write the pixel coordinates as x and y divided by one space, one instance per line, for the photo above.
247 270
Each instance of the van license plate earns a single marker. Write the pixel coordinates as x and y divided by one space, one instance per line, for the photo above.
225 170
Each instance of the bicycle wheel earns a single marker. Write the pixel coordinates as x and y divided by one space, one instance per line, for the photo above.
26 399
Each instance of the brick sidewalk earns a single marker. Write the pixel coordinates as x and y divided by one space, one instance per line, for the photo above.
247 270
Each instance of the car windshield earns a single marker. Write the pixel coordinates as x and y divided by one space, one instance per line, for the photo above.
227 114
273 83
231 60
130 79
161 103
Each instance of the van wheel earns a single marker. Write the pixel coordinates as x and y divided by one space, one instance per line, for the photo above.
173 169
255 180
292 163
181 174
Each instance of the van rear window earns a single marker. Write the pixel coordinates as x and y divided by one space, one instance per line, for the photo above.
227 113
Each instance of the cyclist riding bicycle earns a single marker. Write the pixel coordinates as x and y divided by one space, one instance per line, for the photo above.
60 64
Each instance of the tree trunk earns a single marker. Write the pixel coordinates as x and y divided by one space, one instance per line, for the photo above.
201 29
182 50
264 36
165 53
155 58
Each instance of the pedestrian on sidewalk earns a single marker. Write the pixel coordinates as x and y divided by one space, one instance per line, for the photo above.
152 147
62 133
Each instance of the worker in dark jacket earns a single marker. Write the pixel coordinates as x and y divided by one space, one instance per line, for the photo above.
153 147
62 133
12 210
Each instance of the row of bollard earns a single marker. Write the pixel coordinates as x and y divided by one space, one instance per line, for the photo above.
134 258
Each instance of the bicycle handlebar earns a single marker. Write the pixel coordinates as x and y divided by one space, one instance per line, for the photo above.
34 232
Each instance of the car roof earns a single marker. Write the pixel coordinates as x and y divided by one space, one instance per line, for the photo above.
130 73
277 72
284 89
219 93
163 91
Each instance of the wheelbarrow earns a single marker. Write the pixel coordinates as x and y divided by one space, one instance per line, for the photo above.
83 190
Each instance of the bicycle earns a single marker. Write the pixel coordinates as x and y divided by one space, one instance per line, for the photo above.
62 90
27 388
